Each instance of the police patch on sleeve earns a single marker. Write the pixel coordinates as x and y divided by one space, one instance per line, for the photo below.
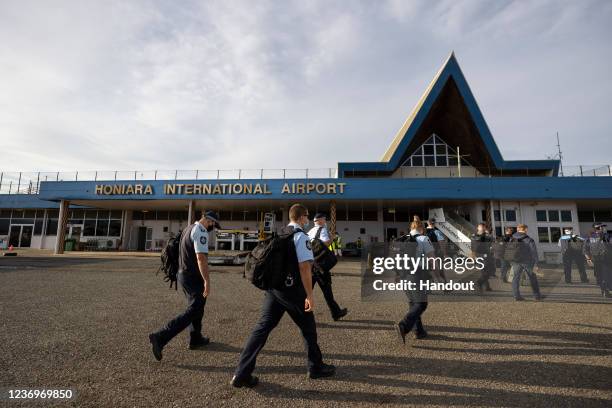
308 244
203 240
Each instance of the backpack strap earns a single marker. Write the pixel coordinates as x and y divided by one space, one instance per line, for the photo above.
318 234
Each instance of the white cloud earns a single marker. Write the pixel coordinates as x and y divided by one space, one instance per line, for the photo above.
105 85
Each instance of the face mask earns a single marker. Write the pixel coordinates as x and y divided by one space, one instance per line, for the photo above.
306 224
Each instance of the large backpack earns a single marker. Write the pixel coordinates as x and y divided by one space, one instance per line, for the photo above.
170 260
516 250
273 262
324 258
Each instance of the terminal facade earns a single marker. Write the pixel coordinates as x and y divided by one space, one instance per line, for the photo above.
442 162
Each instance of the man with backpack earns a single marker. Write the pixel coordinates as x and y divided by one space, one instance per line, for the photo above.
194 279
599 256
522 253
438 241
293 295
572 251
320 238
482 246
417 244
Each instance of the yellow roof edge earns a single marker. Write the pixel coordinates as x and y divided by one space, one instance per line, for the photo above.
402 131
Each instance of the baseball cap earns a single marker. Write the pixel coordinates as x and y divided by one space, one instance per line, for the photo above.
319 216
213 216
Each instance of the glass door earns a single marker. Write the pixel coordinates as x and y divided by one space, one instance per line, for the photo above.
26 236
14 234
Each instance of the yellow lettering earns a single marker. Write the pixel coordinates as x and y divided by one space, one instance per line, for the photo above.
148 189
309 187
300 188
267 189
130 189
138 189
257 189
189 189
108 189
331 188
285 189
248 189
341 186
216 189
99 189
206 189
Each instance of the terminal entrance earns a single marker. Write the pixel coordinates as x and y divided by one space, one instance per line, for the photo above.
20 236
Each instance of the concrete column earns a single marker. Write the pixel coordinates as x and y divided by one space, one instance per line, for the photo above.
492 216
60 240
332 216
191 212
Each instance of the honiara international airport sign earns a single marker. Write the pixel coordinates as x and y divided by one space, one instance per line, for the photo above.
170 189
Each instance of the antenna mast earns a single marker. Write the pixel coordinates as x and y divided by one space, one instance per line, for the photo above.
560 155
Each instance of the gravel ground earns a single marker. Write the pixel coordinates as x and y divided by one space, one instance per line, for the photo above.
82 323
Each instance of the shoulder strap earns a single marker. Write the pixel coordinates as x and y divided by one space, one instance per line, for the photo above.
318 234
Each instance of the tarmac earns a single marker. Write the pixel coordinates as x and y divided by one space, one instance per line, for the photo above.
81 321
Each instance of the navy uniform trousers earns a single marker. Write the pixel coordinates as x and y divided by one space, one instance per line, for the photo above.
325 283
579 260
276 303
192 286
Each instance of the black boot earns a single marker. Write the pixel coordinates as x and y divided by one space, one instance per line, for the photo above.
325 370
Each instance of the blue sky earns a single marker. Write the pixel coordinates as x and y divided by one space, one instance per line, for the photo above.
229 84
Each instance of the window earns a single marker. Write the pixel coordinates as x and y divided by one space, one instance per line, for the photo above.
354 215
114 228
370 215
497 215
603 216
38 226
4 226
52 226
555 234
585 216
510 215
102 228
362 230
553 215
433 153
541 216
498 231
89 228
543 234
566 216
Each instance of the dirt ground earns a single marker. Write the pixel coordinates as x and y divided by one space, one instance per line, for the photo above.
81 322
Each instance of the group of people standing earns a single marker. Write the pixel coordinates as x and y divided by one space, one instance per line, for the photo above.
517 253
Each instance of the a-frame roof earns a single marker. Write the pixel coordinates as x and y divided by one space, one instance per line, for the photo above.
448 106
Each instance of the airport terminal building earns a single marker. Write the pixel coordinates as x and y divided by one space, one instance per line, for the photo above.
443 162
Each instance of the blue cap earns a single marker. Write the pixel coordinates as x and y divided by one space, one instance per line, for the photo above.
213 216
319 215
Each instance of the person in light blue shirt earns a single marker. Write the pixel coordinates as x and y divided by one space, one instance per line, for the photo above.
323 277
296 300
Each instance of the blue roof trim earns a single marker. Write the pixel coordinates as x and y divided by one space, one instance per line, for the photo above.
450 70
28 201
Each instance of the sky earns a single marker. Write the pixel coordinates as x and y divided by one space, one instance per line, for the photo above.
104 85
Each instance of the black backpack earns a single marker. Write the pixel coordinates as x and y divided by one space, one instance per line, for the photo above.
170 260
324 258
516 251
273 263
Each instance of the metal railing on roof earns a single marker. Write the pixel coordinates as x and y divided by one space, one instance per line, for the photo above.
29 182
